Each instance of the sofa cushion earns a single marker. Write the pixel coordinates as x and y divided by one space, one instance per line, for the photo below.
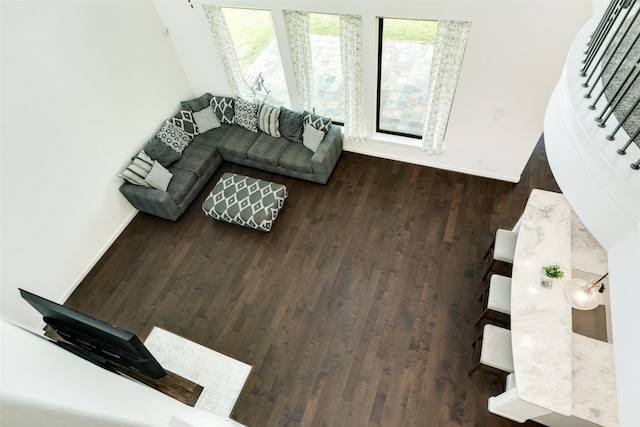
138 170
197 158
291 125
318 122
181 183
297 157
206 119
198 103
312 137
246 114
159 177
158 150
173 136
185 121
267 149
224 108
236 142
269 120
211 137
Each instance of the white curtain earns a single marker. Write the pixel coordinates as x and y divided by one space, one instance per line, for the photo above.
351 52
449 47
297 24
226 49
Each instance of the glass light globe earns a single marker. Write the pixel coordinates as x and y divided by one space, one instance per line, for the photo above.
582 294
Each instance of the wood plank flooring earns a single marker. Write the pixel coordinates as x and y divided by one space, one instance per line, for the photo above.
357 309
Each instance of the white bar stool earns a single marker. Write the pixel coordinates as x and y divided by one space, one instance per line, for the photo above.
492 351
502 249
496 298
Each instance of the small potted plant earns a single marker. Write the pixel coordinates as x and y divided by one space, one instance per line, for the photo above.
550 272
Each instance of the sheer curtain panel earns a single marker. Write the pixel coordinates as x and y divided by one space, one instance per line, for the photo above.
351 53
227 51
297 24
449 47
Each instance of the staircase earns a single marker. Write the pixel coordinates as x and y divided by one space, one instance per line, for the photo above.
592 128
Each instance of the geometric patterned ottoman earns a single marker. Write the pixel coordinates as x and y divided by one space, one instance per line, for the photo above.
245 201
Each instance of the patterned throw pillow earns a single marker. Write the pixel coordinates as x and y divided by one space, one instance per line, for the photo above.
312 137
318 122
197 104
185 121
246 115
224 109
291 125
268 120
206 120
173 136
138 170
158 177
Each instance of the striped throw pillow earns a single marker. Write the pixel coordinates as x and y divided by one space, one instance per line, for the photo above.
159 177
269 120
138 170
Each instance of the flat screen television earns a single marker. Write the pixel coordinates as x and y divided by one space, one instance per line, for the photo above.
97 341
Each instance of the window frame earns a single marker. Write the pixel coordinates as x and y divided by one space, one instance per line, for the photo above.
379 88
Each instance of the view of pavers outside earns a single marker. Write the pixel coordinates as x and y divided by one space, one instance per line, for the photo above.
403 102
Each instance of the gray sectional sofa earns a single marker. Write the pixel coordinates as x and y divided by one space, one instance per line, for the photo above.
231 139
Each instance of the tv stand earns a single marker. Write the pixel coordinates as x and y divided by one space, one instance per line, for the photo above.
172 385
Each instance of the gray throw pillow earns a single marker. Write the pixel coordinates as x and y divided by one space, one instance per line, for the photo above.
318 122
224 108
197 104
185 121
158 150
291 125
246 115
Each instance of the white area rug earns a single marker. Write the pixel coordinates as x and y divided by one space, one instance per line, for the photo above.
221 376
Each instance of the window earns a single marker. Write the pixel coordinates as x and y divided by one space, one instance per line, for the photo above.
405 51
258 54
328 81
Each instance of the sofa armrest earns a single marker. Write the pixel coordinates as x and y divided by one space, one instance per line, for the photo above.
326 156
151 201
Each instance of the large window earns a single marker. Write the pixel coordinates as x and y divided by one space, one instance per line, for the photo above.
258 54
405 51
328 81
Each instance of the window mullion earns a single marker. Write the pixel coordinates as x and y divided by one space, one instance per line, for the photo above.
280 30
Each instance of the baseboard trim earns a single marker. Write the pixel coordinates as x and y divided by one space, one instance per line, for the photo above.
352 148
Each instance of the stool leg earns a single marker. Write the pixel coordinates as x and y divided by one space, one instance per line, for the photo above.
489 269
477 348
491 246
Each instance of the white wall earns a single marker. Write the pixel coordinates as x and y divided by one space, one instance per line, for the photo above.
513 59
84 85
64 390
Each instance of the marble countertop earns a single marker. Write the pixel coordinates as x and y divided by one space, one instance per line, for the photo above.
555 368
540 317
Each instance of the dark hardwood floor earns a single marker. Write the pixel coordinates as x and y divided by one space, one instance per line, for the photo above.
357 309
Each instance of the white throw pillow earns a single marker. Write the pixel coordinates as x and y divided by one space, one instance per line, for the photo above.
206 120
246 114
173 136
138 170
269 120
312 137
159 177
